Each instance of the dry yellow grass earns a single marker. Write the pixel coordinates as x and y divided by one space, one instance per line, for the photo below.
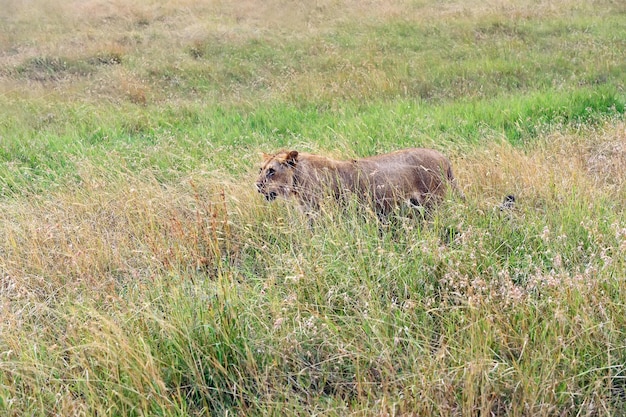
157 34
549 170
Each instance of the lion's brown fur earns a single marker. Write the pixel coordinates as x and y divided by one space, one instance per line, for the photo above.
417 176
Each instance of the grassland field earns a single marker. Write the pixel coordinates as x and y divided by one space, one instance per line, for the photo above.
142 275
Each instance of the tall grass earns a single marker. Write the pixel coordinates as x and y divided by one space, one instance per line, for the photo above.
141 274
128 297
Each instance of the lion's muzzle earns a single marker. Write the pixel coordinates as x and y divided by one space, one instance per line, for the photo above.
269 196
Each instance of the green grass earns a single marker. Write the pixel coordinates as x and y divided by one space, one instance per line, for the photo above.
176 141
141 274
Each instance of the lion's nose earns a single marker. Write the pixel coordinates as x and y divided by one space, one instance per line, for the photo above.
258 186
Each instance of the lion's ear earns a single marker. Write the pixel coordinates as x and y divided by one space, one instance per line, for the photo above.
292 158
266 156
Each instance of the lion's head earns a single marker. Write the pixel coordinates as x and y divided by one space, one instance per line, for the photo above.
276 176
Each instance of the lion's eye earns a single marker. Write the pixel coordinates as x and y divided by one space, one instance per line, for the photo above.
270 172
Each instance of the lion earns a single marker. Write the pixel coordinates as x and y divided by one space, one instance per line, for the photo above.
418 177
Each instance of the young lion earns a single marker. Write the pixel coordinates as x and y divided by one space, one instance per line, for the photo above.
415 176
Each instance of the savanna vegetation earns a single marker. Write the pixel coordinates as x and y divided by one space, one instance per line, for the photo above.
141 273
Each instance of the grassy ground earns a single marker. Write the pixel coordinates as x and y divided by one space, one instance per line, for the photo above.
140 273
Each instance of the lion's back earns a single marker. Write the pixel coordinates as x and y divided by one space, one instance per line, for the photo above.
412 156
406 173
